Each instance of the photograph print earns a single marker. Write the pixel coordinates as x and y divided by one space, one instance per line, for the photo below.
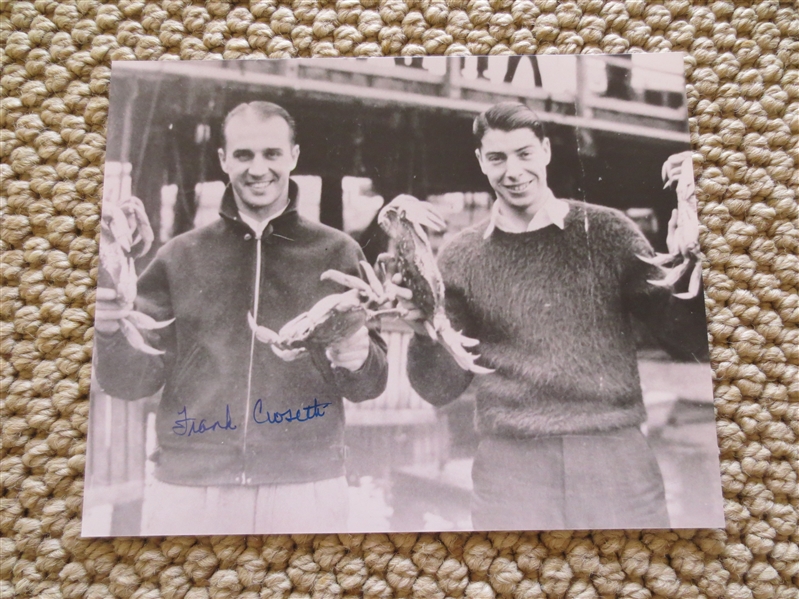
400 294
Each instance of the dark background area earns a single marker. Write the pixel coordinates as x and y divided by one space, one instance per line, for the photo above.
414 150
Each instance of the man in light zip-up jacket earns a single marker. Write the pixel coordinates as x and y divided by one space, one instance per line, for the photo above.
250 440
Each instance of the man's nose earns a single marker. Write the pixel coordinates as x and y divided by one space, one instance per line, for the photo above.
513 167
258 167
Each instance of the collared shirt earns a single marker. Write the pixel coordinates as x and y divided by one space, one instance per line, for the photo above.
259 226
553 212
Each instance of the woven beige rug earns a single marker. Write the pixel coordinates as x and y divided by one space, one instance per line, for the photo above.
743 74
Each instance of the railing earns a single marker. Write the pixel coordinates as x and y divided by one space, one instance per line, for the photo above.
399 404
566 95
117 454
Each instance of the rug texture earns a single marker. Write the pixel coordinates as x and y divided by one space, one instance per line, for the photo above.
743 90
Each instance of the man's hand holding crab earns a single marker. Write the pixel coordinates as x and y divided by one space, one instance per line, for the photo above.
351 352
684 259
125 234
415 293
337 323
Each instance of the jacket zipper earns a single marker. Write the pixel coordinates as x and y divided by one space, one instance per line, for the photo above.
255 303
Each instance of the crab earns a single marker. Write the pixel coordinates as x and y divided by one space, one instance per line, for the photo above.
332 318
404 219
683 230
125 234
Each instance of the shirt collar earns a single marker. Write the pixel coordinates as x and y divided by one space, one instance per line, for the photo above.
553 212
257 226
230 211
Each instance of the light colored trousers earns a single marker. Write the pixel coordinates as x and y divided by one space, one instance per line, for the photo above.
314 507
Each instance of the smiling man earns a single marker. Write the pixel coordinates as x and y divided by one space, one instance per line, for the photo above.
258 155
232 458
550 288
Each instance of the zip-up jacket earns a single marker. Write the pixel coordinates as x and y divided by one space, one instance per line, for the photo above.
230 410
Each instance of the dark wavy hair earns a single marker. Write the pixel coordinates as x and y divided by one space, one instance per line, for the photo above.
264 110
507 116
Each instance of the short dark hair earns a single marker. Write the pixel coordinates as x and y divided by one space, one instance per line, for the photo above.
507 116
264 110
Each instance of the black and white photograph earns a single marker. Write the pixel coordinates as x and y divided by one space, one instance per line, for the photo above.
405 294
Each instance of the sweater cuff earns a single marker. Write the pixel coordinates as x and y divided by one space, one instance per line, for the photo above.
368 381
433 373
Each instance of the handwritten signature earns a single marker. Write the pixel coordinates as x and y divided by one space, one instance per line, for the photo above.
304 414
186 426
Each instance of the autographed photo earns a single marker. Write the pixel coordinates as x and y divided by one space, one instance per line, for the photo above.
400 294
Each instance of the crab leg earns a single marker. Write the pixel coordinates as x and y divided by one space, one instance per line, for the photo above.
372 278
693 285
418 213
346 280
142 321
683 229
657 259
263 334
455 342
136 339
672 276
426 215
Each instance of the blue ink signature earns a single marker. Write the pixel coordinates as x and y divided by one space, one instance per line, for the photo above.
317 410
186 427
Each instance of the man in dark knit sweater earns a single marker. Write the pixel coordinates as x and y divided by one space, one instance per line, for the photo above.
549 288
250 438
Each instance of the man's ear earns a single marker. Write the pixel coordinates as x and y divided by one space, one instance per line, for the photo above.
547 147
221 153
295 155
479 157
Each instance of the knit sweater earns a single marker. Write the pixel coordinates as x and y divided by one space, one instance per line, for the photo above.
553 311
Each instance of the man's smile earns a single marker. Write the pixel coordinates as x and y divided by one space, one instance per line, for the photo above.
518 187
259 186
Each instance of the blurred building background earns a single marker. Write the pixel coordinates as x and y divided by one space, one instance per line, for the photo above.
370 129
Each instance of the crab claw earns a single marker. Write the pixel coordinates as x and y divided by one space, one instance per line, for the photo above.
657 259
455 342
372 290
372 278
419 214
263 334
142 321
142 230
693 285
672 168
348 299
116 225
428 216
347 281
386 263
136 339
672 276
